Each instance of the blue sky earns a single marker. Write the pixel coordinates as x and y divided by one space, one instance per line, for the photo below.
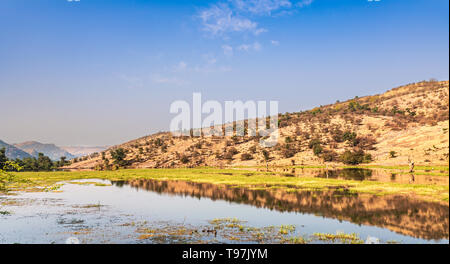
100 72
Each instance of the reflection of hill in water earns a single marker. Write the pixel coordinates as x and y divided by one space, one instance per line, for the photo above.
403 215
360 174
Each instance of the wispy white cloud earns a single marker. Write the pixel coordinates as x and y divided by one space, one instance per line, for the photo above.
209 64
248 47
209 58
157 78
239 15
244 47
261 7
257 46
304 3
275 42
220 19
181 66
212 69
227 50
132 81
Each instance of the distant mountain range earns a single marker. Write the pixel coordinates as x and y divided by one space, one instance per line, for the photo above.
51 150
12 152
78 151
33 148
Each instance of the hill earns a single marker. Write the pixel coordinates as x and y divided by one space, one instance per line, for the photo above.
410 122
79 151
13 152
50 150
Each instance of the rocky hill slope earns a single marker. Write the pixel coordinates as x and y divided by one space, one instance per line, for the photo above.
406 123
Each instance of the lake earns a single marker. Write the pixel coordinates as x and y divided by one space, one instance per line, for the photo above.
151 211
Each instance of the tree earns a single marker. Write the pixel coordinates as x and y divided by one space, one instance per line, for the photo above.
62 162
355 157
3 158
5 176
118 156
266 155
44 162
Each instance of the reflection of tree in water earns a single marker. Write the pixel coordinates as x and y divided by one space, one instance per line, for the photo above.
347 174
401 214
360 174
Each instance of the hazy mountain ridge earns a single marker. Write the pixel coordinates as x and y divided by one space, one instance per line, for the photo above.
51 150
410 122
79 151
12 152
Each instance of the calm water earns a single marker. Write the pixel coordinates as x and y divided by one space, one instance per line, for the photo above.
54 217
358 174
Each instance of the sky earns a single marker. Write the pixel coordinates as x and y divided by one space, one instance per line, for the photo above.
102 72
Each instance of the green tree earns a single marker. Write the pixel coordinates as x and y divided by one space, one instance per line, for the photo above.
3 158
44 163
118 156
355 157
62 162
6 177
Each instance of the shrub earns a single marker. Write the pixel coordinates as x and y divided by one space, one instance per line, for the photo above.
288 152
337 135
317 149
329 156
315 145
349 136
355 157
393 154
314 142
365 142
246 156
230 153
233 151
184 159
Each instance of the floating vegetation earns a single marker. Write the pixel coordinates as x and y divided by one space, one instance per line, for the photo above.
90 183
73 221
296 240
339 237
84 231
52 188
87 206
232 230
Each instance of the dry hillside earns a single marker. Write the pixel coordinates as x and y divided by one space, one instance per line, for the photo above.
410 122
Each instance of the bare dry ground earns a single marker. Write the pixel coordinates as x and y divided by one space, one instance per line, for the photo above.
407 123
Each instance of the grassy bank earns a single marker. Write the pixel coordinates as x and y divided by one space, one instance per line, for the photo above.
45 181
428 170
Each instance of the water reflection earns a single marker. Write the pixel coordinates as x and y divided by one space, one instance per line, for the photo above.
346 174
419 219
358 174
